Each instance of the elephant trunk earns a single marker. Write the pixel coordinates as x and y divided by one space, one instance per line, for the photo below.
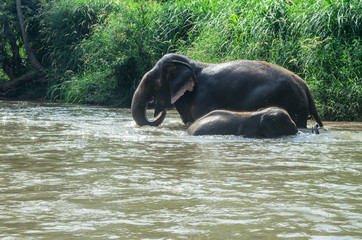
140 101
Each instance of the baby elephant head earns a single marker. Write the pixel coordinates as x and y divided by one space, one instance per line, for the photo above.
275 122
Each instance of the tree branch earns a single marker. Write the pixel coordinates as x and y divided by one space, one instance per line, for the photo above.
34 62
13 85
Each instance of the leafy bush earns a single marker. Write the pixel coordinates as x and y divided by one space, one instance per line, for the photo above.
64 24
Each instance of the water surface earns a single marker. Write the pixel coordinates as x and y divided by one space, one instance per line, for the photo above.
84 172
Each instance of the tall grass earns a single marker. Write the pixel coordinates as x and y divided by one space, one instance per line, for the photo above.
319 40
106 46
66 23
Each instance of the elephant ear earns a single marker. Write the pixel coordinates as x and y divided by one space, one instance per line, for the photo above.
182 78
267 127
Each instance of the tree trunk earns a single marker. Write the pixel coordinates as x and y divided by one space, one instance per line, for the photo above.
34 62
12 86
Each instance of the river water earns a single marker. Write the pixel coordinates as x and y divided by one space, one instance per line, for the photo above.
84 172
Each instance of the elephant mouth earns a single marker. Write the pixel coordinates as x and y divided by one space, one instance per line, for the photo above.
159 108
139 107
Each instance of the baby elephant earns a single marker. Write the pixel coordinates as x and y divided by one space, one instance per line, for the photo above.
265 123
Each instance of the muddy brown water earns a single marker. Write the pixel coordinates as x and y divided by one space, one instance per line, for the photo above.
85 172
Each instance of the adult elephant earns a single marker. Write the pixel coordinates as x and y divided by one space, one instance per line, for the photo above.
265 123
196 88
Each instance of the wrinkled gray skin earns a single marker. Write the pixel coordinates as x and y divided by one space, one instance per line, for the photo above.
197 88
266 123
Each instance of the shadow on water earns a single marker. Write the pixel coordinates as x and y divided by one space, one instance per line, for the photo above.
85 172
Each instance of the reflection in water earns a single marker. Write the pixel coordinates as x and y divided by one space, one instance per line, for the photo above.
90 172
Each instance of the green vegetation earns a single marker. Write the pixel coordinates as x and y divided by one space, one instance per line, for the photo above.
97 51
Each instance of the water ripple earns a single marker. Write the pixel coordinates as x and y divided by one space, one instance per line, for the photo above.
90 173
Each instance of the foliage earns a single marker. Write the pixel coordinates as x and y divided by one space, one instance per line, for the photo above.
64 24
12 52
97 51
16 68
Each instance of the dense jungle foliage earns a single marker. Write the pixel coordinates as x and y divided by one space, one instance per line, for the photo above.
97 51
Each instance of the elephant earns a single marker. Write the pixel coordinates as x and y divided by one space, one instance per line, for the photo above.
197 88
265 123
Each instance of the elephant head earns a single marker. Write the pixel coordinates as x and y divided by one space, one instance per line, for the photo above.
275 122
165 83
